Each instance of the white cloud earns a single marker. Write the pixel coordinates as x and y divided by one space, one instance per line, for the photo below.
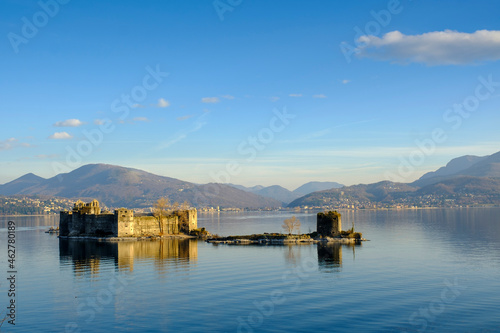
319 96
446 47
11 143
138 106
44 157
69 123
140 119
7 144
61 136
210 100
295 95
184 117
198 124
274 98
98 122
228 97
163 103
346 81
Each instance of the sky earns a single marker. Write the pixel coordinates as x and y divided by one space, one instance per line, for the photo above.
248 92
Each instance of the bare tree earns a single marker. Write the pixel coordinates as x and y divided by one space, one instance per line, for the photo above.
291 224
176 206
161 209
185 205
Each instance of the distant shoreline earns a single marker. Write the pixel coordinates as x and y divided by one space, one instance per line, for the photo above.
287 210
24 215
348 209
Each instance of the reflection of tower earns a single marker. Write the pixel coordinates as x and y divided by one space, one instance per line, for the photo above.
126 256
330 255
188 249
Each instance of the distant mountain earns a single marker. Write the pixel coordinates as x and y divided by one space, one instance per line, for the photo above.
315 186
279 193
454 166
384 191
252 189
466 180
487 189
284 195
226 196
460 190
119 186
275 192
486 166
18 185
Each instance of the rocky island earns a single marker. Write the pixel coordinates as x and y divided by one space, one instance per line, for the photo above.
328 226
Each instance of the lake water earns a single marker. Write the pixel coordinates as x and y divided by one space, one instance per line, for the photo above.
422 270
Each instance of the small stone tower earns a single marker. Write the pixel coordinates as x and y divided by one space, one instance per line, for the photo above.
329 224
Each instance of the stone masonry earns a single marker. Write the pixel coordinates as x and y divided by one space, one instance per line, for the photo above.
86 219
329 224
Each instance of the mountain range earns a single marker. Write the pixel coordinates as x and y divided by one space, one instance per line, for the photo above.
464 180
118 186
475 166
286 196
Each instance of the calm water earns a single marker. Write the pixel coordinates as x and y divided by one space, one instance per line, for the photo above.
424 270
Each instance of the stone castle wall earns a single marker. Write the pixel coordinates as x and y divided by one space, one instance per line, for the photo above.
148 225
83 221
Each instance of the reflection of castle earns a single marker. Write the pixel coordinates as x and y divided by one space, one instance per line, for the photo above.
89 255
330 254
86 219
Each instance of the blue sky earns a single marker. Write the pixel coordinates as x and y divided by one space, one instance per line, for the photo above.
248 92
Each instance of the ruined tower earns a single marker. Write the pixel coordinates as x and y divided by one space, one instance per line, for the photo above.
329 224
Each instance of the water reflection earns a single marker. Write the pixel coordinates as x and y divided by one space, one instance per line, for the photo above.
25 222
330 255
88 256
292 254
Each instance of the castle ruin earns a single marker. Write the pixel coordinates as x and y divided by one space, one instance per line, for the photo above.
86 219
329 224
